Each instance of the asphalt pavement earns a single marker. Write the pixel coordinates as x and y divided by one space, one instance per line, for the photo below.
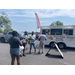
53 57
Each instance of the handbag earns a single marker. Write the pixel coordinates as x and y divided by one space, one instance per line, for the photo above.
21 47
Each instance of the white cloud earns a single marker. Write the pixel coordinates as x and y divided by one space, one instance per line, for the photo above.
43 21
26 20
42 13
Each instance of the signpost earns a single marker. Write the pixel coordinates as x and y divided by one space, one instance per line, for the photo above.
57 50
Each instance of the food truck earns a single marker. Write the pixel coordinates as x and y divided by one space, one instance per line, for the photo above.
64 36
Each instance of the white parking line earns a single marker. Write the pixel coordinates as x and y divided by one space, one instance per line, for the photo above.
65 63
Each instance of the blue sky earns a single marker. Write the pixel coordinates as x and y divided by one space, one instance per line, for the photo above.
25 20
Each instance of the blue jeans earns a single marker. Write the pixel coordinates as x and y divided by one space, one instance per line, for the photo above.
14 51
24 44
32 44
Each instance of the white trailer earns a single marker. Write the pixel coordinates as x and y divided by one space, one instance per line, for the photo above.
64 36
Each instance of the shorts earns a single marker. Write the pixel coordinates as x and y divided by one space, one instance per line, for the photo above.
24 44
41 45
15 51
32 44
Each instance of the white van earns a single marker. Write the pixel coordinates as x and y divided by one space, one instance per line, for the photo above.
64 36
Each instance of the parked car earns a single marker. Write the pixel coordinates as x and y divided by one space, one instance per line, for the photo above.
5 37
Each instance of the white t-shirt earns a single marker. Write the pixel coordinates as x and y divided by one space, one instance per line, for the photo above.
32 37
25 36
42 38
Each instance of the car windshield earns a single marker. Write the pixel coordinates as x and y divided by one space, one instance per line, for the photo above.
21 34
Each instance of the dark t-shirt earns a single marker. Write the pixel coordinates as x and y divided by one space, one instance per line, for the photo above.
14 42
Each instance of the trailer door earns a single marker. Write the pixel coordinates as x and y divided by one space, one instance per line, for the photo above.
69 38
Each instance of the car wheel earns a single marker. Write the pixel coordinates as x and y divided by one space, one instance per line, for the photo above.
2 40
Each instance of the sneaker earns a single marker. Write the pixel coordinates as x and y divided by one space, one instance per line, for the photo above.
29 52
42 52
24 55
38 52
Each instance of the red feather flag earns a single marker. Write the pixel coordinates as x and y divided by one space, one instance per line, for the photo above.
38 22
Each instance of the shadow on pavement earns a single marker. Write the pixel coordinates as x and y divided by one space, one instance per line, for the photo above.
4 43
53 56
37 54
27 53
68 49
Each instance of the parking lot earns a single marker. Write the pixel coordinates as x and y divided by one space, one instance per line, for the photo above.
39 59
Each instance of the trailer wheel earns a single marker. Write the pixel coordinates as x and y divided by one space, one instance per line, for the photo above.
2 40
61 45
52 45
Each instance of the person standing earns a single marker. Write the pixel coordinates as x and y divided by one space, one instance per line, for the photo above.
32 42
14 42
42 39
25 41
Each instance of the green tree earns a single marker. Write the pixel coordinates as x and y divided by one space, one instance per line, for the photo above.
1 31
57 23
5 23
7 28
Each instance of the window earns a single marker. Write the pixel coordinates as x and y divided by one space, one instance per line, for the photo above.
46 31
56 31
10 33
68 31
